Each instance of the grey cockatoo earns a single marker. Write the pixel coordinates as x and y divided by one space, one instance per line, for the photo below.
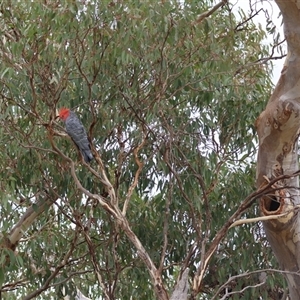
77 132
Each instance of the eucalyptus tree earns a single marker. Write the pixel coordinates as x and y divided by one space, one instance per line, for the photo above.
277 164
169 92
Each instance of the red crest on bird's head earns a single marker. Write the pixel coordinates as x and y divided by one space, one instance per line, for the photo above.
64 113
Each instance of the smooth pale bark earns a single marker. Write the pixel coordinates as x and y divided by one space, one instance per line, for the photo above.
278 129
182 287
27 220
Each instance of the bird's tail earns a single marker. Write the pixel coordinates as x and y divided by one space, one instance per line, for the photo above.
87 155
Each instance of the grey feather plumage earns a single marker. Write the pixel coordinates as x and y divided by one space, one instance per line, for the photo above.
76 131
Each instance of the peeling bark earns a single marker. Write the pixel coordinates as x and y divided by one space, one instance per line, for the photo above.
278 130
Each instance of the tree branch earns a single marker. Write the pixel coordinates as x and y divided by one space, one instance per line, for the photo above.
182 287
232 278
28 218
209 12
136 176
265 188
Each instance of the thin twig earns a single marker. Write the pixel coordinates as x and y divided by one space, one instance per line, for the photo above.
232 278
242 290
64 262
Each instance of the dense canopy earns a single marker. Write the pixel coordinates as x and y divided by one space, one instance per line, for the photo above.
169 98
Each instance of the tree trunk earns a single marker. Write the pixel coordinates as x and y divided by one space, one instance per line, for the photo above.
278 129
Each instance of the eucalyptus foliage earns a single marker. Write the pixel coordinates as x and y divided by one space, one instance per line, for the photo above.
144 75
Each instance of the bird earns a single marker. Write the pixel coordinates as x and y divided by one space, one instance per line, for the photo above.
76 131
